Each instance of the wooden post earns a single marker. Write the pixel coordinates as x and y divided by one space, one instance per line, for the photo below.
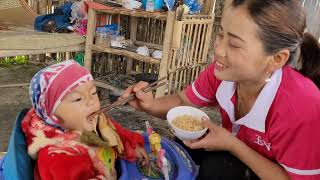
42 7
67 55
49 8
166 50
91 27
209 7
133 37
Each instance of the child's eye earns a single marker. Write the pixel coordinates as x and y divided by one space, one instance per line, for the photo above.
77 100
94 93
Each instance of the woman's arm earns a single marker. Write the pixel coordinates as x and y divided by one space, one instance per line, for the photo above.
263 167
157 107
218 138
162 105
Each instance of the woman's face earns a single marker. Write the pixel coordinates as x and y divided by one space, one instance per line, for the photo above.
75 108
239 54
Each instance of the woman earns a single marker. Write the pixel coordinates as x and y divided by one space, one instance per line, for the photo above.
270 112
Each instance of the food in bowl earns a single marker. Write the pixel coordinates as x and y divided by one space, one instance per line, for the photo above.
177 127
187 123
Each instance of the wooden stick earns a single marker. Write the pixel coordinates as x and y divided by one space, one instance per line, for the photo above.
14 85
126 53
149 45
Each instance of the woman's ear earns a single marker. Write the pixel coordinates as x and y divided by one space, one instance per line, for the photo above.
279 59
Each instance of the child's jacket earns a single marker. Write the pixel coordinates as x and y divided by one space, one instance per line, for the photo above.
61 155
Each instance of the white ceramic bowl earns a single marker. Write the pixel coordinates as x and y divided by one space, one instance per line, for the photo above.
186 110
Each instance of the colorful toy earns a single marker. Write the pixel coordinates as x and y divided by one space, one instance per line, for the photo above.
168 160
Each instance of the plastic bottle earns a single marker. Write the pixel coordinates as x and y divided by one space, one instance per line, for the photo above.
150 5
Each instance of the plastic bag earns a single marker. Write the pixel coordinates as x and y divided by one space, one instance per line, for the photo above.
194 6
78 12
143 50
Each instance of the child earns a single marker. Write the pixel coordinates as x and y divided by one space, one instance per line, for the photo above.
63 97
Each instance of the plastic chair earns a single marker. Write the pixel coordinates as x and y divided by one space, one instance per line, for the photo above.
16 163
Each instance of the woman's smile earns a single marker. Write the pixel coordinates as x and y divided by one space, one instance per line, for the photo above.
219 66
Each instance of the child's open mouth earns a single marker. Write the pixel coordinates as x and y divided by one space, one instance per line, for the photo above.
93 116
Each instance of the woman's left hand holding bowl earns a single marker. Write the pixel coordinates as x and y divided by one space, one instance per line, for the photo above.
216 139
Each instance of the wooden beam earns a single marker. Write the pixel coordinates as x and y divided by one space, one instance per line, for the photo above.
14 85
129 54
136 13
149 45
19 52
108 86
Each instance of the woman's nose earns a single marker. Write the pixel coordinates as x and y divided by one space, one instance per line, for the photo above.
219 49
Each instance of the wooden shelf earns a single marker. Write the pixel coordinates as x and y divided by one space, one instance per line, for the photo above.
129 54
108 86
136 13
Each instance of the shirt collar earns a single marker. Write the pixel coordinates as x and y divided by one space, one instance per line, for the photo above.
256 118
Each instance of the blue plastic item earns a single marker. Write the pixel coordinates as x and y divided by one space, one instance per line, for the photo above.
18 165
61 16
112 29
182 166
194 6
157 4
170 4
1 168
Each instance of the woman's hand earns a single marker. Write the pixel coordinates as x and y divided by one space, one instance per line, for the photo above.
217 138
142 156
143 101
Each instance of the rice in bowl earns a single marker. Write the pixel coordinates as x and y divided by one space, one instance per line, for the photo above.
187 123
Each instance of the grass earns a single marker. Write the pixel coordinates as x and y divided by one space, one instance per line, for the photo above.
16 60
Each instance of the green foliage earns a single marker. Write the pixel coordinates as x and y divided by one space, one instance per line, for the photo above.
14 60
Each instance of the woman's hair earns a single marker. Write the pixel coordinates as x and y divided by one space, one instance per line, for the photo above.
282 25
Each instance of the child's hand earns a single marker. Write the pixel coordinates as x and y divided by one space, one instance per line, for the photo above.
142 156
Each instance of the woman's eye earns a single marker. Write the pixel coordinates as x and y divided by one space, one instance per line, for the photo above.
234 46
77 100
94 93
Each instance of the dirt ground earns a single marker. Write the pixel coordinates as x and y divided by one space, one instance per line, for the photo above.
13 100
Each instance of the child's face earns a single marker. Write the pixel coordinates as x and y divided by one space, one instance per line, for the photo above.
75 108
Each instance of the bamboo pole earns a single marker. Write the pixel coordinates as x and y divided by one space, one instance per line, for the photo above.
166 50
133 37
67 55
201 53
195 57
90 36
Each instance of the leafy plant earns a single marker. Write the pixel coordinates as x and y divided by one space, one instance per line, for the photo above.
14 60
